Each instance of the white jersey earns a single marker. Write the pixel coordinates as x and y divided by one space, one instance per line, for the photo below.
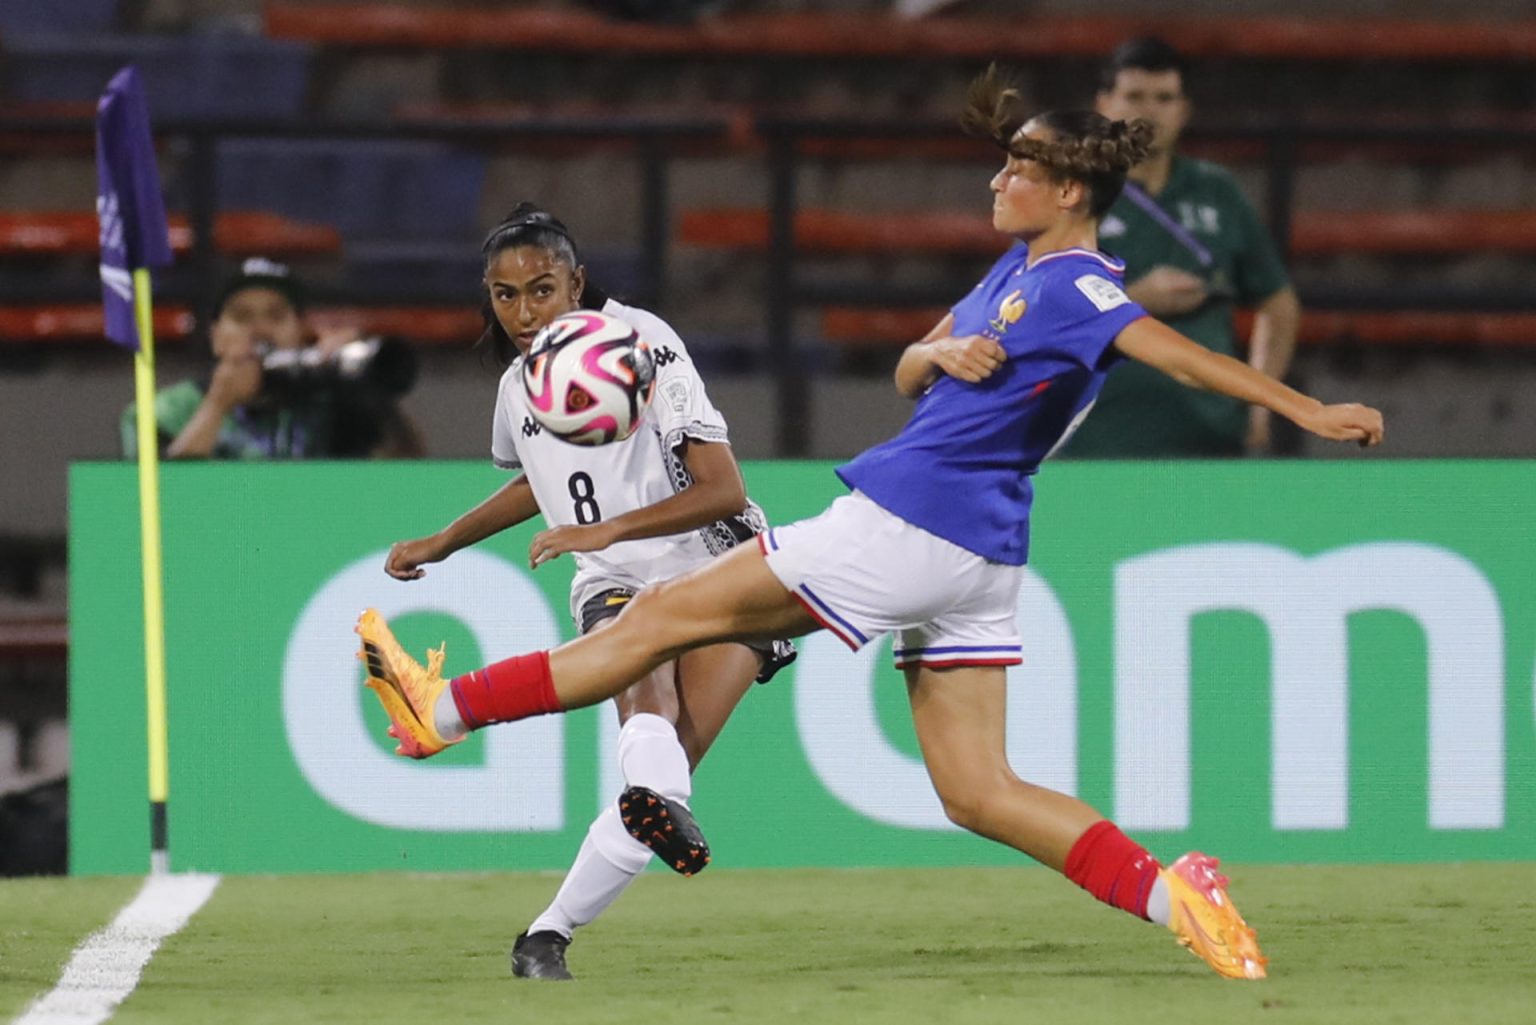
577 484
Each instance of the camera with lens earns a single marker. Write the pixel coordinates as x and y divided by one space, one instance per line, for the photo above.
378 368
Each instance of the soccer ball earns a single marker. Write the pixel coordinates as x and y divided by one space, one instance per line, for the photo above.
588 378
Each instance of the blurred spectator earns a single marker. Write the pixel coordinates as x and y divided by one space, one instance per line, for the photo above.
277 393
1194 249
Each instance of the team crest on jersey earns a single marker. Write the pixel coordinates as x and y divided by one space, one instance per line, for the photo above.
1009 311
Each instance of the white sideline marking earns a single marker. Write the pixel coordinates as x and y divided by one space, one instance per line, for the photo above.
105 968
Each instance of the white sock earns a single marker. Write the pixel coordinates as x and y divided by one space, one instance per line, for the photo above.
445 717
1158 908
651 756
607 863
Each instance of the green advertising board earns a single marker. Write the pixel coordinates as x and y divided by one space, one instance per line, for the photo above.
1279 662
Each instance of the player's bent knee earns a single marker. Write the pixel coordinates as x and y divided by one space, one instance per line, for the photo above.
977 803
962 811
660 618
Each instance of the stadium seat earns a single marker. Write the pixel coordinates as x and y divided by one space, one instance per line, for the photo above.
883 35
879 327
237 233
33 636
1414 232
424 325
185 77
832 231
369 189
737 122
1313 233
82 323
57 16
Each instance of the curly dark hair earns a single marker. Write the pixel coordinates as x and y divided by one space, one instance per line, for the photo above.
1085 146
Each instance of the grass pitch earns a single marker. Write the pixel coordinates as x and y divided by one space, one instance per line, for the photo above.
1347 946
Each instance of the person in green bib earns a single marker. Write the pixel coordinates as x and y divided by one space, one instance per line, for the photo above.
244 410
1194 250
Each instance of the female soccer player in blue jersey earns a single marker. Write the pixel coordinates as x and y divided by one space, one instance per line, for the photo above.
999 383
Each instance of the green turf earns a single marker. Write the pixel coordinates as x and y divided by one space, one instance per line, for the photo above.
41 923
1347 945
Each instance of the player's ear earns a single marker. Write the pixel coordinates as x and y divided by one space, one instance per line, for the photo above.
1072 194
578 284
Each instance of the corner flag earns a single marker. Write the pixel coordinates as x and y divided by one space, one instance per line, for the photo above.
128 201
131 212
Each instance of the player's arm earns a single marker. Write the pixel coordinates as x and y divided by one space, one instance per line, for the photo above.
1156 344
970 359
717 491
1271 345
510 505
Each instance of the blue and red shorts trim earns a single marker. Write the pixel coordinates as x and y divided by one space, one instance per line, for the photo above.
953 656
829 618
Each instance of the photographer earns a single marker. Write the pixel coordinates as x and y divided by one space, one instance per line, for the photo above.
274 394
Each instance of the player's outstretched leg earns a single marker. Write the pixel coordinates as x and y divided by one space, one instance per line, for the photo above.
540 955
407 690
667 827
1205 920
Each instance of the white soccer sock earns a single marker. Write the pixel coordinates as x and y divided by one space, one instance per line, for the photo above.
651 756
608 862
445 717
1159 909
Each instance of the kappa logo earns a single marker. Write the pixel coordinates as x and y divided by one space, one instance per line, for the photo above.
531 427
1009 311
665 357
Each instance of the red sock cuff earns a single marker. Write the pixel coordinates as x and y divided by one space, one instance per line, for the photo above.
1113 867
506 691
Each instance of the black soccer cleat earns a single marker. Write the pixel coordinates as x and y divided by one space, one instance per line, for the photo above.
540 955
666 827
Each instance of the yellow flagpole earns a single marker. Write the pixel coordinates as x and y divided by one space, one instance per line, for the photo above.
154 597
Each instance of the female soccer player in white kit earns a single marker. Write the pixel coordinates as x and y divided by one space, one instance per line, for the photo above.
931 543
664 500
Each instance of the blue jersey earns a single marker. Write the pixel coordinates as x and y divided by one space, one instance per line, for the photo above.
960 468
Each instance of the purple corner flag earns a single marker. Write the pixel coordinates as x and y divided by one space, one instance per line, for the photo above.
129 206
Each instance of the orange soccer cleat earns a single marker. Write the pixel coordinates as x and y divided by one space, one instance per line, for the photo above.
1206 921
407 690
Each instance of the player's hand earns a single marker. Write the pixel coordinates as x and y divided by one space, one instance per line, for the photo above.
547 544
1346 421
972 358
1168 291
406 558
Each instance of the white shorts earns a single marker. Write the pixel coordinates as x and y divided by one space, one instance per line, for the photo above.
861 571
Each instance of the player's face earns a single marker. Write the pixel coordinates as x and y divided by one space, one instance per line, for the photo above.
529 287
1157 96
1026 200
255 317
